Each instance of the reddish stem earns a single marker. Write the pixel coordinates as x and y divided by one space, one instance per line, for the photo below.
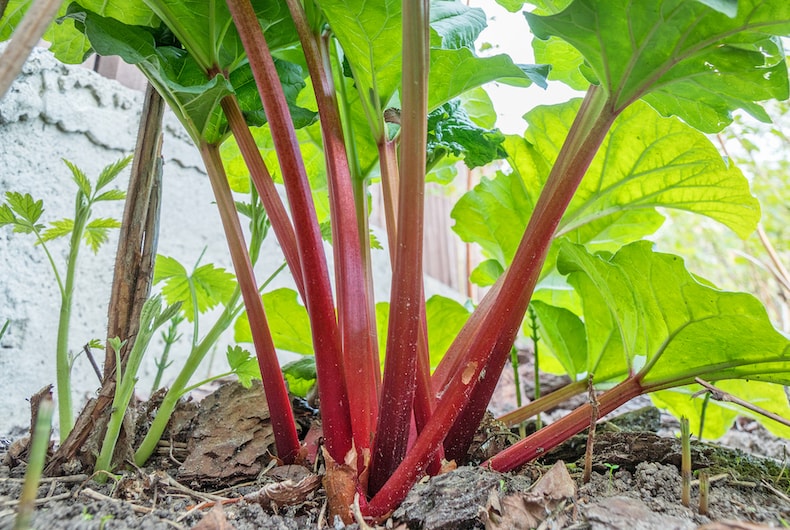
281 223
552 435
490 345
360 356
399 383
318 290
279 403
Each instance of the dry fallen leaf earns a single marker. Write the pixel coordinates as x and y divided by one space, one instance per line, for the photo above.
521 511
214 520
285 493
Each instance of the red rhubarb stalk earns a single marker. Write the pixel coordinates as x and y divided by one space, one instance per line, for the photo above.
356 322
491 344
318 290
398 385
262 180
552 435
286 439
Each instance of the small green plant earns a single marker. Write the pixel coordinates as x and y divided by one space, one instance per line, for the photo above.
23 213
610 469
152 316
35 465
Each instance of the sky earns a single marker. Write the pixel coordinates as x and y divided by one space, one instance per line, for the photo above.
509 33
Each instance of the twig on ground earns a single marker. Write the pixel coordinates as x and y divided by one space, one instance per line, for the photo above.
720 395
588 453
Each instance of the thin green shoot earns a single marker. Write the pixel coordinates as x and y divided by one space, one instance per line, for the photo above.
170 337
35 465
533 326
522 428
4 328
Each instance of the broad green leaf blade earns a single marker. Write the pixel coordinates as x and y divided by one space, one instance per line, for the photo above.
445 318
177 77
212 285
683 57
669 324
563 333
370 34
300 376
566 62
311 146
97 231
645 162
288 322
719 415
457 24
478 105
130 12
453 72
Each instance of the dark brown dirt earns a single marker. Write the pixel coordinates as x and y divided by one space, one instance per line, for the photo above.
635 485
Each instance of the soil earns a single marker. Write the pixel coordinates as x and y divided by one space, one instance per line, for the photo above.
635 483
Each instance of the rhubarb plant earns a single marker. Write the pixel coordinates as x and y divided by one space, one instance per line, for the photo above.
565 221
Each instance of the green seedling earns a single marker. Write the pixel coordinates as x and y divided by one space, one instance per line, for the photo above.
35 465
23 213
610 469
152 317
685 462
170 337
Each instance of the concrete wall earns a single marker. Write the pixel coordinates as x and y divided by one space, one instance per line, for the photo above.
54 111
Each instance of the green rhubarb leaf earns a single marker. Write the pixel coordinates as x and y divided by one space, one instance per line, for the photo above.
300 376
451 131
97 232
131 12
207 31
370 34
717 417
14 12
684 58
453 72
644 163
457 24
67 43
666 325
563 334
243 364
205 288
566 62
311 146
445 318
478 105
288 322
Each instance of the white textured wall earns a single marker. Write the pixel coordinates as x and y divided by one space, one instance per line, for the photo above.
55 111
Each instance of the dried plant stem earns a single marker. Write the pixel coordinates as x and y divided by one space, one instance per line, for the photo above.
588 453
27 34
685 462
720 395
704 492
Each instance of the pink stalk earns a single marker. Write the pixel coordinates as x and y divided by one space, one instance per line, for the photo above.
399 383
272 203
279 403
356 321
318 290
552 435
490 346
